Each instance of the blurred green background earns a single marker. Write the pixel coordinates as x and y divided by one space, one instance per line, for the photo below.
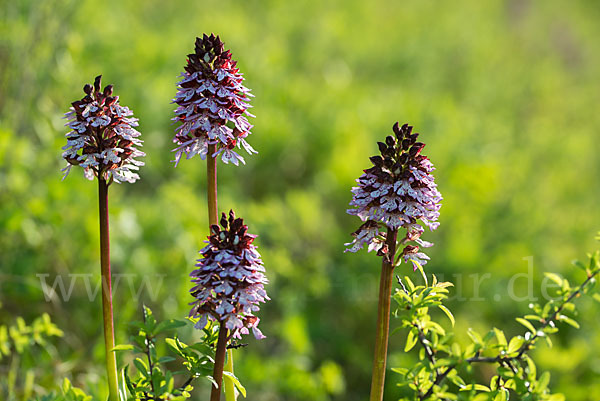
503 93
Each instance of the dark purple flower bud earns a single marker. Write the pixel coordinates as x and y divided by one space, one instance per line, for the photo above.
103 139
229 279
390 141
212 104
108 90
416 149
377 161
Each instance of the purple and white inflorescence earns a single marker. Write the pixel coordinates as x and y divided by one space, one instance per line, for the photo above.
397 192
229 279
212 105
102 139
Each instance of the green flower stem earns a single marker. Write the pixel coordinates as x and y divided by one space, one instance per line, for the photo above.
383 318
230 394
107 308
213 219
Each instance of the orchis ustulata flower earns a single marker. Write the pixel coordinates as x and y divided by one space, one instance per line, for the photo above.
229 279
213 104
103 140
396 192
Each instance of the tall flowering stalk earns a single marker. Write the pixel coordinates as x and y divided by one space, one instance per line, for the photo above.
228 286
212 112
397 192
104 142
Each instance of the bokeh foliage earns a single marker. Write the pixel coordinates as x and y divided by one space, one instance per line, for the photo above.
503 93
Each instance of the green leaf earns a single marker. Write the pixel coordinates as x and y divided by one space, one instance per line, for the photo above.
165 359
532 369
168 325
568 321
411 340
515 344
123 347
554 277
422 271
488 337
433 326
500 337
543 381
172 343
141 366
66 385
122 385
503 395
474 336
410 284
128 380
448 313
203 348
526 323
237 383
579 264
478 387
456 349
533 317
149 320
457 380
596 297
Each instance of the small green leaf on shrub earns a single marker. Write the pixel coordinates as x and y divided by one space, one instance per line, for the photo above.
554 277
526 323
568 321
168 325
123 347
478 387
474 336
448 313
500 337
237 383
411 340
515 344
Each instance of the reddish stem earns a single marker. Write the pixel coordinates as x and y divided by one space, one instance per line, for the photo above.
215 394
107 308
211 178
383 319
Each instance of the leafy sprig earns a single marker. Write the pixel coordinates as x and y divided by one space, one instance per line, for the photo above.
153 380
21 342
444 369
